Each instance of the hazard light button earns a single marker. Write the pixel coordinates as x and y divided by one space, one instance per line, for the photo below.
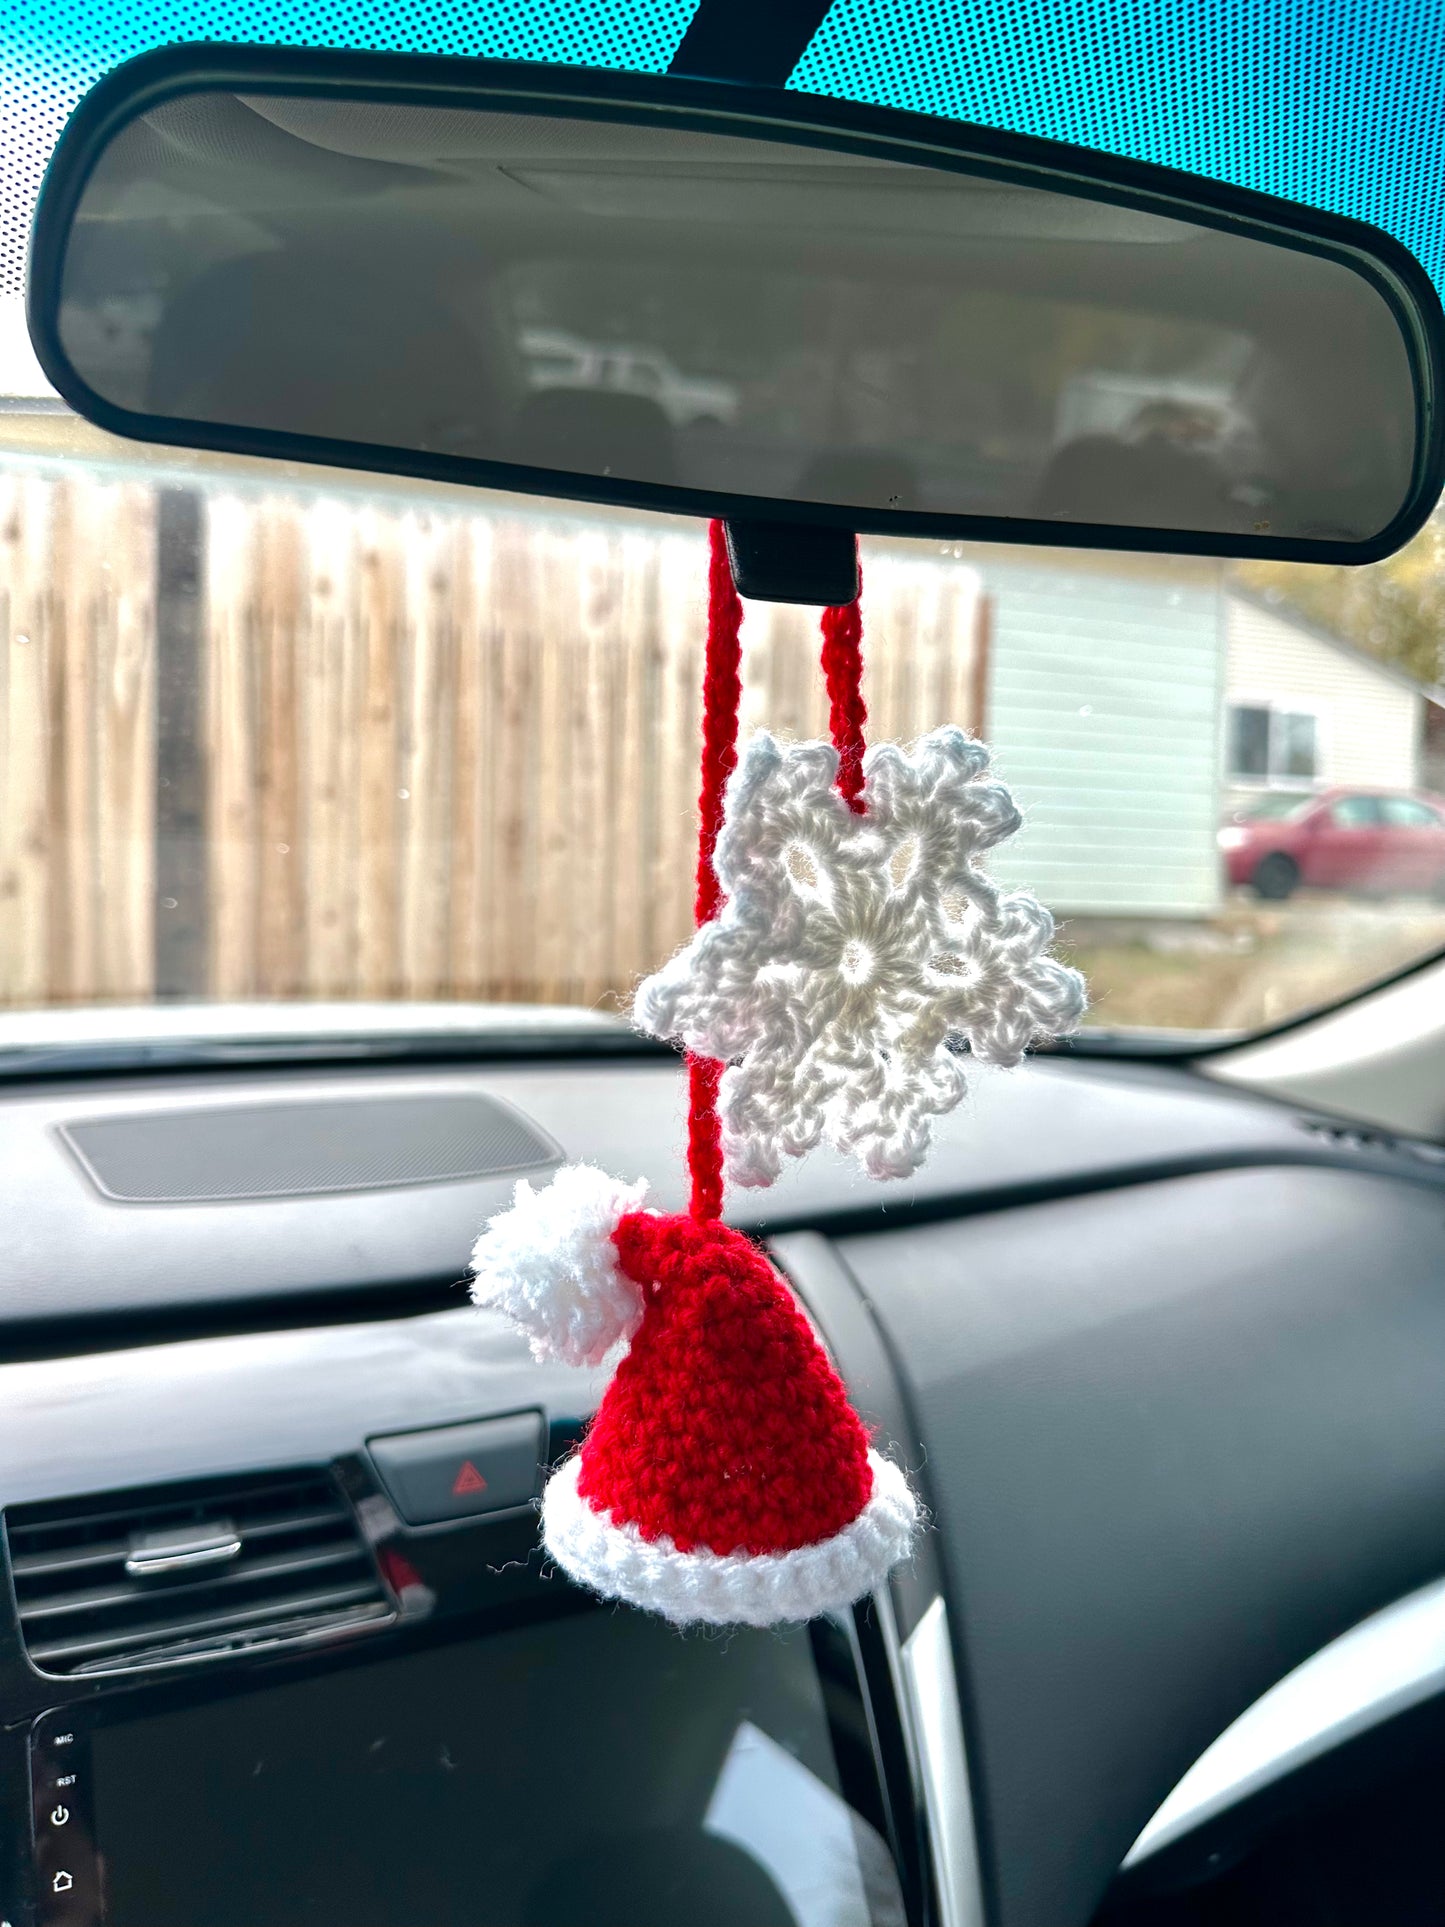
460 1471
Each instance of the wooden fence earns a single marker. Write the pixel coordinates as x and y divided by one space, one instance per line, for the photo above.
441 754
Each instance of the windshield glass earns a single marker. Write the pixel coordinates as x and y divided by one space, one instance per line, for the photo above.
284 737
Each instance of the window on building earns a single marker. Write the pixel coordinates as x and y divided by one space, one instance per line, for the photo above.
1269 744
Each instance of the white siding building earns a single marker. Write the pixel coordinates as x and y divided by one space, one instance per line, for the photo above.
1106 691
1307 711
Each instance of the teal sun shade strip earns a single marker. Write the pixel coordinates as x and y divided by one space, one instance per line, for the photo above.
1337 103
52 52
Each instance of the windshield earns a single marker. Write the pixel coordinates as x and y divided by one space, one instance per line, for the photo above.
278 740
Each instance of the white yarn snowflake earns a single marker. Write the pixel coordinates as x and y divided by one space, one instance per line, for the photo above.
850 948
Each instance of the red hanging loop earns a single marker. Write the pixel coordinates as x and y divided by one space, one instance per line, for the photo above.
704 1139
721 697
847 712
722 692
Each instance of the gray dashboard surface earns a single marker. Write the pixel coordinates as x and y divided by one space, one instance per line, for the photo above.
71 1251
1177 1438
1179 1409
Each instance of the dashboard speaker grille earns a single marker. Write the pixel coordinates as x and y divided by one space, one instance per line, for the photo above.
129 1580
241 1151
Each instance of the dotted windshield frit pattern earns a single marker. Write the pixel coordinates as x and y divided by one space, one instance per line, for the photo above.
1326 101
1332 102
51 53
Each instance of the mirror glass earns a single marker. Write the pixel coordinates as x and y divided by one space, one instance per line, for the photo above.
640 303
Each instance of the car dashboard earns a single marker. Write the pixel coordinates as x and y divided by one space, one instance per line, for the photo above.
278 1643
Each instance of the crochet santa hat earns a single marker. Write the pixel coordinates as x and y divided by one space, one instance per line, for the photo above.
725 1477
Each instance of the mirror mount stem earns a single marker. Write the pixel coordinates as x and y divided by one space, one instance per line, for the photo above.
792 562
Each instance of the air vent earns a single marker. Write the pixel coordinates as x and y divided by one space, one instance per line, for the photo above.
135 1579
1351 1137
1363 1137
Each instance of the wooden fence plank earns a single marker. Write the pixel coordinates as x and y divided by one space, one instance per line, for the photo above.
565 615
470 727
71 701
329 678
378 969
231 705
25 826
170 598
424 764
124 737
280 641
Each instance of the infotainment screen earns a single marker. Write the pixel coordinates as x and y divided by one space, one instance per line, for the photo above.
600 1770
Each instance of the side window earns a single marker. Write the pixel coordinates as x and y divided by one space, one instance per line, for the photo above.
1293 748
1267 744
1248 740
1404 813
1356 813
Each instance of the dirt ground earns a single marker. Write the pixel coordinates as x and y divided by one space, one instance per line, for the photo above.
1253 965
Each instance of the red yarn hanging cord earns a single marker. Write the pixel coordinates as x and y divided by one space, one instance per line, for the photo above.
721 695
847 713
722 692
704 1138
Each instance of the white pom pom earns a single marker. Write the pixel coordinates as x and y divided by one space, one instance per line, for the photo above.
550 1264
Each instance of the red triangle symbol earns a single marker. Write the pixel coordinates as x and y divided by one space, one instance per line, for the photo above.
468 1480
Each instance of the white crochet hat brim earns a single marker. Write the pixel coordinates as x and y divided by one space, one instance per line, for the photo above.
733 1589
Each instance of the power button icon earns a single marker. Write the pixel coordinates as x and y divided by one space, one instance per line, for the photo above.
59 1816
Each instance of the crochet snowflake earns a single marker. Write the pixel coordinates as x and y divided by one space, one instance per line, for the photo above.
850 948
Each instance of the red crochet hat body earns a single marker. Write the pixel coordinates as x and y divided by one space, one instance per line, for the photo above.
725 1428
725 1476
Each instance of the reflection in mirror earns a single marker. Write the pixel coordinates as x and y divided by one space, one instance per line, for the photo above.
643 303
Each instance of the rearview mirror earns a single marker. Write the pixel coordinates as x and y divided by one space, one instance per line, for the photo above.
682 295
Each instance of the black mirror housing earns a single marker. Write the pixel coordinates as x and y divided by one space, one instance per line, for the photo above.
683 295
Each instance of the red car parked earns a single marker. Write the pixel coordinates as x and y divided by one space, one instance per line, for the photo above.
1373 841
